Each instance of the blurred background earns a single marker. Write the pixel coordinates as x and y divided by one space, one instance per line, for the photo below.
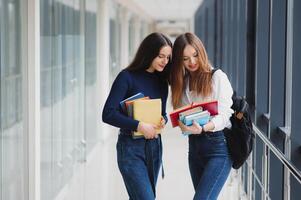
58 60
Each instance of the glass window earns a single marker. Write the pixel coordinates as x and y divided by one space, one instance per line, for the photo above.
62 93
91 116
262 65
295 148
13 171
115 41
277 93
143 30
132 49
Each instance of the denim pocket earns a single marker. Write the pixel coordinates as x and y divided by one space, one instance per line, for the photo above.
218 145
130 152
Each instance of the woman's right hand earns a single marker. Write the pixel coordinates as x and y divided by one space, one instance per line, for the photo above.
194 129
148 130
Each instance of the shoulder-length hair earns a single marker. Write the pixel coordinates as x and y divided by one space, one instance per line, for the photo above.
201 81
148 50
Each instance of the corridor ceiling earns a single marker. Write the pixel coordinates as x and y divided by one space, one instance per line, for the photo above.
169 9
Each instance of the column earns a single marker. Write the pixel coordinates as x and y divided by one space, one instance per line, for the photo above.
32 81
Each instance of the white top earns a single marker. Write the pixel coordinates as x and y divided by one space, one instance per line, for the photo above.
222 92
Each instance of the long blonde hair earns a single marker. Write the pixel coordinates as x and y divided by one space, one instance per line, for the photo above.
202 81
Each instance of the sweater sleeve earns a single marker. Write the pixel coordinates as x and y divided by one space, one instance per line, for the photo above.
223 95
164 100
111 113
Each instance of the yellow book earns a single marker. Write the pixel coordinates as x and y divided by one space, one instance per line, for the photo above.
148 111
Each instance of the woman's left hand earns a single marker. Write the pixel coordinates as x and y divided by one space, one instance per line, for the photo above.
195 128
162 123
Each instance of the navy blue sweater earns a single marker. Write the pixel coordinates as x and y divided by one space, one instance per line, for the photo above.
128 84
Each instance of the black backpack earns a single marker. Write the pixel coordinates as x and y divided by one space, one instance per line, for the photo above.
240 137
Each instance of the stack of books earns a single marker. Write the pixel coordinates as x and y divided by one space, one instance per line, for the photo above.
199 112
143 109
201 118
123 103
183 114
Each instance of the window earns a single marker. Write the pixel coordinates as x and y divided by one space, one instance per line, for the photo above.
13 139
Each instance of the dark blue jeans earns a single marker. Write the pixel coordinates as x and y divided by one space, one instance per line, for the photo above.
139 162
209 164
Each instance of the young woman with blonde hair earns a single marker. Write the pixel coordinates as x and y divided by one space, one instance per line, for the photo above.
192 80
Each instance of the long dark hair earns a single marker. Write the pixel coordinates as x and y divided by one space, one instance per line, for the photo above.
202 84
148 50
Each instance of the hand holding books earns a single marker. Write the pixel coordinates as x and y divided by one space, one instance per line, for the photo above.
147 112
192 121
192 118
148 130
195 128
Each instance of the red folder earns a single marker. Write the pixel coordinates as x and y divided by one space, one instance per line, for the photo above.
211 106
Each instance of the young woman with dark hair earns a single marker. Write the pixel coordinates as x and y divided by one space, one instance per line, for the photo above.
192 80
139 160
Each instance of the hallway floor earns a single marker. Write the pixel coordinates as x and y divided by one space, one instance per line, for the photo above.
177 183
102 180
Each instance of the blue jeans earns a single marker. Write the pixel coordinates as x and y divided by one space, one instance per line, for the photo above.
139 162
209 164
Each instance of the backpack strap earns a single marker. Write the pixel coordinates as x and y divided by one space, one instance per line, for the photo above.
214 70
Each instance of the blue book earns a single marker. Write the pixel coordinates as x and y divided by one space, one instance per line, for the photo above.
122 103
201 118
201 121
